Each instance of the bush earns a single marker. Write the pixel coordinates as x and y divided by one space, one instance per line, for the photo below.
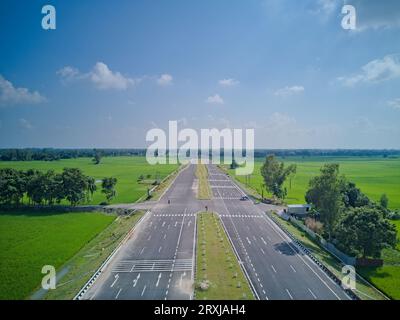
314 225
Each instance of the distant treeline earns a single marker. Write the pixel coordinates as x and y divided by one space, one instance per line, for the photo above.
50 154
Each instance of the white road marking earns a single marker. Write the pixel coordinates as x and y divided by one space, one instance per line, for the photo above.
294 270
148 239
273 268
262 251
159 249
248 240
165 235
144 289
158 280
116 297
136 280
163 224
115 281
262 239
288 292
312 293
141 251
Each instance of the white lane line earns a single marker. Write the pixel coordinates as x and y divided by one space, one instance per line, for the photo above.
262 251
158 280
285 238
136 280
176 223
248 240
144 289
165 235
159 249
115 281
288 292
273 268
294 270
312 293
148 239
119 291
262 239
141 251
163 224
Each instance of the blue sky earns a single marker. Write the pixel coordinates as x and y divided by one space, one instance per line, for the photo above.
112 71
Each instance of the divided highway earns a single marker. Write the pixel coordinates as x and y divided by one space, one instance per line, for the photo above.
157 262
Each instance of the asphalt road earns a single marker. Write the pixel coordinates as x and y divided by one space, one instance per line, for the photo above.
157 261
277 269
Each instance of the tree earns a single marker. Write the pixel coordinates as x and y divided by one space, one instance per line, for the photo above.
91 188
12 186
353 197
97 157
325 194
363 231
384 201
108 188
74 184
274 174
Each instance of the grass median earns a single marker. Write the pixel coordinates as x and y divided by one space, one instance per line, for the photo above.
218 274
204 190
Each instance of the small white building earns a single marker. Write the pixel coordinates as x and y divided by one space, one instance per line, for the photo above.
300 210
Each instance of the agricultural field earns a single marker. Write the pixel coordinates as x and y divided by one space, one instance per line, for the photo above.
126 169
374 176
30 240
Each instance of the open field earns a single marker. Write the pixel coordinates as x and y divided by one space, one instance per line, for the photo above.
28 241
374 176
83 265
204 190
217 264
126 169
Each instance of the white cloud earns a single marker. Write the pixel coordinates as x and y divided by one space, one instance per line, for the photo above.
101 76
25 124
215 99
228 82
375 71
165 80
68 73
395 104
288 91
10 95
104 78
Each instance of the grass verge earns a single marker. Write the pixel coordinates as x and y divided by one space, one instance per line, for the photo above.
83 265
218 274
203 190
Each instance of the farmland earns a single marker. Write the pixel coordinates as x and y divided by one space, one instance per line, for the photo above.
374 176
28 241
126 169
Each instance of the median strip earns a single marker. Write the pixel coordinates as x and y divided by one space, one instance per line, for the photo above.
218 274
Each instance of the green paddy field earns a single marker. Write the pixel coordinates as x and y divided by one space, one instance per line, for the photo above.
374 176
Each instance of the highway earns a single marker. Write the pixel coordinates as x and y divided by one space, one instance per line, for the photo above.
157 262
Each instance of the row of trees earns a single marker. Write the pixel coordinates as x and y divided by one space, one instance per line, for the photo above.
48 188
349 218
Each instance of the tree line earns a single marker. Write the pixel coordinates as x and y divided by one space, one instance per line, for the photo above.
353 222
51 154
35 187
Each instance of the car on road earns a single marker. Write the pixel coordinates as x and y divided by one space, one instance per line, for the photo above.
244 198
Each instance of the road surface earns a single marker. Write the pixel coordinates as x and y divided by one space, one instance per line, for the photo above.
158 261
